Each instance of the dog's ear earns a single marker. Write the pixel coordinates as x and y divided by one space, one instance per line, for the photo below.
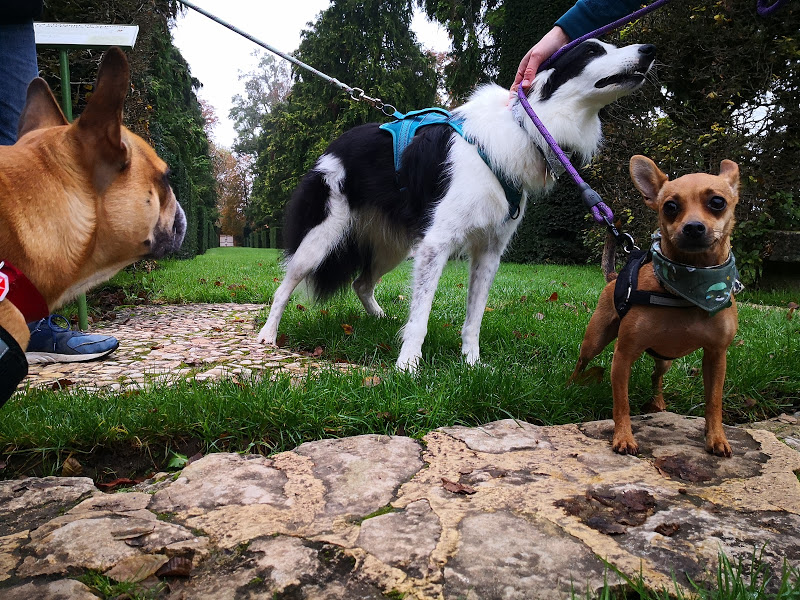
41 109
100 125
647 178
729 171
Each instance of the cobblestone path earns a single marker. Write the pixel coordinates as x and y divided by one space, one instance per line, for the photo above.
168 343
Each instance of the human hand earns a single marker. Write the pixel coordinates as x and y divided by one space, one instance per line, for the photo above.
544 48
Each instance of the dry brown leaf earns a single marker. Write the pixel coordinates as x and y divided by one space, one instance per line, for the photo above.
281 341
71 468
372 381
792 307
348 329
317 351
457 488
553 297
301 308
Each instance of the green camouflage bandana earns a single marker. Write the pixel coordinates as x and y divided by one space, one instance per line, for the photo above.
709 288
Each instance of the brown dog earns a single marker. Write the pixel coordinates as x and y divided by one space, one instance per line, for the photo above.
695 215
79 202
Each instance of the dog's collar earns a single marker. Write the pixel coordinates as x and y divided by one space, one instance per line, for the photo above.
18 289
554 167
709 288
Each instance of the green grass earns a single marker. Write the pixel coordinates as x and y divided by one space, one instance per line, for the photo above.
530 340
740 580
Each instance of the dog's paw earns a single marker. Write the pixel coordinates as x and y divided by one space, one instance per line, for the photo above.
472 358
625 445
408 364
267 337
719 446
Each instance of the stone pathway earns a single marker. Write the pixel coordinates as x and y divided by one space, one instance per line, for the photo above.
166 343
508 510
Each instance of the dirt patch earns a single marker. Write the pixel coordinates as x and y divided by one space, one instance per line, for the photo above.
110 467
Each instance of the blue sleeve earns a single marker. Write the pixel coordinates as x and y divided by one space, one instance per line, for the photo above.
588 15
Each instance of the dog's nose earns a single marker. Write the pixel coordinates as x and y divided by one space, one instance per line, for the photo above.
648 50
695 229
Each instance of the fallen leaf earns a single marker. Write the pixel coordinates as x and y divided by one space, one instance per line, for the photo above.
523 298
323 312
750 402
488 309
447 325
372 381
281 341
460 285
301 308
348 329
553 297
792 307
694 372
61 384
739 343
667 529
457 488
218 283
275 280
384 346
317 351
117 483
71 468
201 280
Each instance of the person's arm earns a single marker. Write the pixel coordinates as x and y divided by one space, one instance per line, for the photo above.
583 17
588 15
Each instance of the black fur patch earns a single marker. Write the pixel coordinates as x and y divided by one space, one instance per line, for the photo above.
570 65
404 199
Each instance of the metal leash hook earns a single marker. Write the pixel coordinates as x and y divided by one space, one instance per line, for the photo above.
358 95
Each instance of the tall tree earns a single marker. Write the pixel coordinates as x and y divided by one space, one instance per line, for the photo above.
368 44
264 87
473 26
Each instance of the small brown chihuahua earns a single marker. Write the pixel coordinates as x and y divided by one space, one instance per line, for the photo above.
691 258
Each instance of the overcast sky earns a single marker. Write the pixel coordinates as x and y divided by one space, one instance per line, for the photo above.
217 56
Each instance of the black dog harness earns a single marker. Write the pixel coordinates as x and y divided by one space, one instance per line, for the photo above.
626 294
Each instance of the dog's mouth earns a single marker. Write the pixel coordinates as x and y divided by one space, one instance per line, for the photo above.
632 79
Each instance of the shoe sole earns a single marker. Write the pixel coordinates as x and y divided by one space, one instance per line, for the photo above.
38 358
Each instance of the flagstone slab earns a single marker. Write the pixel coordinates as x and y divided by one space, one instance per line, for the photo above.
506 510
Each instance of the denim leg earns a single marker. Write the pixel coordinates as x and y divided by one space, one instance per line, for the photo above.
18 67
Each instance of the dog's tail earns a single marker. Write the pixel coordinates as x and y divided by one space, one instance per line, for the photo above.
307 209
609 258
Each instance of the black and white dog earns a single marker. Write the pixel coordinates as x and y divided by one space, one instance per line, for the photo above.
353 215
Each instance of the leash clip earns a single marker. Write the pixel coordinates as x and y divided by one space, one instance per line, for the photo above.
624 240
358 95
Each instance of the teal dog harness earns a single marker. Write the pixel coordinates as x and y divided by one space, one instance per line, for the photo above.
405 127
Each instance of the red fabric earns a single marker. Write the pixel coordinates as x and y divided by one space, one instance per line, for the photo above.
23 294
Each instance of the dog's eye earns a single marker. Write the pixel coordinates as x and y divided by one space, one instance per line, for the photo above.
670 208
717 203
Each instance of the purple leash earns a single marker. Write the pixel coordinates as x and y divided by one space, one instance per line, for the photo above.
600 211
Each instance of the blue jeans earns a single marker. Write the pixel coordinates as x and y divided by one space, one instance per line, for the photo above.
18 67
